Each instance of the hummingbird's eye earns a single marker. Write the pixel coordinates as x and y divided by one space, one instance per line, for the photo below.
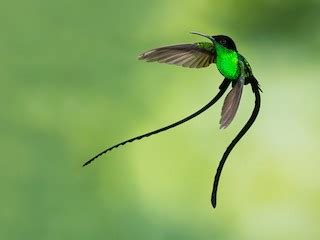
223 41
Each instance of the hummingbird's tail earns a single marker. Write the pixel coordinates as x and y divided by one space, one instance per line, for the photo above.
223 87
256 90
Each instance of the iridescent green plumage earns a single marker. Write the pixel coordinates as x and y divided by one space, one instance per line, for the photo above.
206 45
227 62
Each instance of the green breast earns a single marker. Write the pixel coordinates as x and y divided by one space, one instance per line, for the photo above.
227 63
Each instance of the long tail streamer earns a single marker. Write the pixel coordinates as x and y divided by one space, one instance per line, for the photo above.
223 87
256 90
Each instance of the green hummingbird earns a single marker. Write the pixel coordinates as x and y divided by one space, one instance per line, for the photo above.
236 71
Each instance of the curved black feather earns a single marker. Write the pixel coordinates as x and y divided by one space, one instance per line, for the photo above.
255 112
223 87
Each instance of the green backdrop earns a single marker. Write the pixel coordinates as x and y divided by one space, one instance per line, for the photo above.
71 85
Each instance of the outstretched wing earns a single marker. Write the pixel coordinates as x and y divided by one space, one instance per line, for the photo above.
231 104
195 55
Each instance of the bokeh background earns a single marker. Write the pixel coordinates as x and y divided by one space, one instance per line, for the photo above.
71 85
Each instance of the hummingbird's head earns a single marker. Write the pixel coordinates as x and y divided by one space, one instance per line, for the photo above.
225 41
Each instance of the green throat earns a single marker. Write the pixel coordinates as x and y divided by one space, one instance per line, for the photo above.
227 62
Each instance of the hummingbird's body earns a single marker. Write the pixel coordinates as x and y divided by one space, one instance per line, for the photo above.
227 62
231 64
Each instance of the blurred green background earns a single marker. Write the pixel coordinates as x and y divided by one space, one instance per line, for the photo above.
71 85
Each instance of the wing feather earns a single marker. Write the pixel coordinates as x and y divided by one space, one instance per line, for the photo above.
196 55
231 105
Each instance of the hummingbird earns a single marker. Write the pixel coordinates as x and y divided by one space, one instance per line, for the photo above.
221 50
